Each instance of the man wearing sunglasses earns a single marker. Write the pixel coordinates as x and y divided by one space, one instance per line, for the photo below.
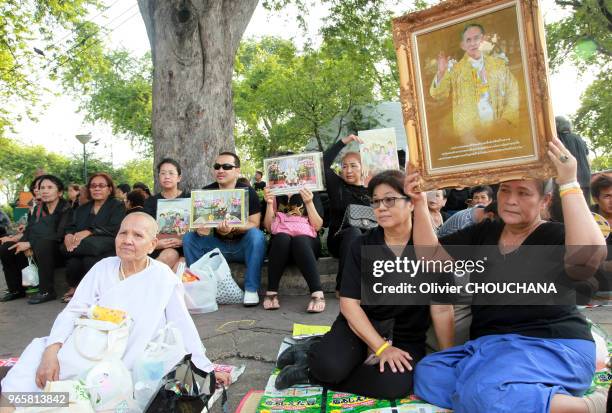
238 244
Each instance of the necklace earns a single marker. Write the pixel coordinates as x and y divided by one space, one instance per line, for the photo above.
122 273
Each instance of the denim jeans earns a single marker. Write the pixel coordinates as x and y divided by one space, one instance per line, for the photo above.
250 249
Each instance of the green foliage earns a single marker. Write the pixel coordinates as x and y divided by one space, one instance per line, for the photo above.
137 171
19 162
57 28
594 117
121 95
584 37
602 163
283 98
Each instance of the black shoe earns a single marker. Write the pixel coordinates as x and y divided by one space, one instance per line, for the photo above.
42 298
292 375
9 296
297 353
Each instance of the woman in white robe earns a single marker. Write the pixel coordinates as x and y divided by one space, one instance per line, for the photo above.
146 289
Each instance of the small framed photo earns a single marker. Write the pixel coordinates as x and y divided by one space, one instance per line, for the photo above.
173 217
210 207
474 92
289 174
378 152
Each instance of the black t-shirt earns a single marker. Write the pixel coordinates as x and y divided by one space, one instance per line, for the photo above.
341 194
150 205
414 320
543 321
254 205
259 186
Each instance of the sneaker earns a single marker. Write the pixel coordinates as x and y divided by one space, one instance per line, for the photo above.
297 353
42 298
10 296
292 375
251 298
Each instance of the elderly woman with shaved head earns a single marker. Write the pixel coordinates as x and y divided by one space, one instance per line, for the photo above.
145 289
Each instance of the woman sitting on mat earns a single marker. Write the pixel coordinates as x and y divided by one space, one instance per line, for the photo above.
132 282
337 360
520 358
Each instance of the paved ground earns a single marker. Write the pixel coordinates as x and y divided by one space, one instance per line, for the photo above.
232 335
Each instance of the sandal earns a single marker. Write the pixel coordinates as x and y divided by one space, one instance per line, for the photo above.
316 301
68 296
270 302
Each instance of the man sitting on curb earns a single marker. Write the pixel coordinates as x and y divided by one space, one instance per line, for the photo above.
238 244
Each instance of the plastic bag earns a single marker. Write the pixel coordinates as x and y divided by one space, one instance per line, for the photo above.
110 387
201 296
160 356
29 275
228 292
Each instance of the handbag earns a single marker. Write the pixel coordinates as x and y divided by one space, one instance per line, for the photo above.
92 341
186 389
292 225
228 292
358 216
29 275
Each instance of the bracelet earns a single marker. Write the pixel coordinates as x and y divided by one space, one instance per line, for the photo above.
573 184
382 348
570 191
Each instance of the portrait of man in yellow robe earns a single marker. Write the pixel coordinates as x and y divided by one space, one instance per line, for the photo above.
483 91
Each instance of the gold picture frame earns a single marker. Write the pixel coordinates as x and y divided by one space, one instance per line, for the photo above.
474 92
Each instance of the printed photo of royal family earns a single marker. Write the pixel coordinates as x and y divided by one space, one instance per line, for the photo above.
288 174
211 207
173 217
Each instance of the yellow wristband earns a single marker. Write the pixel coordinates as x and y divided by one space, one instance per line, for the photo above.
570 191
382 348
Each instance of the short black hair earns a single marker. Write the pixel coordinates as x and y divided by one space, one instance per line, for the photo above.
482 188
34 184
603 181
136 197
125 188
56 181
236 158
143 186
259 172
469 26
492 207
171 162
393 178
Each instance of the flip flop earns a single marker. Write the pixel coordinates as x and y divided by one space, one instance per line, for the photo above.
271 301
314 301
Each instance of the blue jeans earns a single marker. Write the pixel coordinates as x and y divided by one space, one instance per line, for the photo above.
250 249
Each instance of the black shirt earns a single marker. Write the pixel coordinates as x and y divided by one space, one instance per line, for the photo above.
341 194
259 186
44 226
543 321
150 205
254 205
414 320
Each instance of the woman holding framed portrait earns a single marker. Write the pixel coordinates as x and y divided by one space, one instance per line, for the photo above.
521 358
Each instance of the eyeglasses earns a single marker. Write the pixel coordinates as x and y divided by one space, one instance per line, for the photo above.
94 186
387 201
168 173
225 166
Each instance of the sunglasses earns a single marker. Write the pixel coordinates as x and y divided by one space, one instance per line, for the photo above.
225 166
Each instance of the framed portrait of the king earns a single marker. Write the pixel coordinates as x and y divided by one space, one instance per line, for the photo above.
474 92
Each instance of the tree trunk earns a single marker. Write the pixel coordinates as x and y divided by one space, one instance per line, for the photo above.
193 44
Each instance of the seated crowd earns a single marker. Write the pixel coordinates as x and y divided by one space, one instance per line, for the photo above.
519 358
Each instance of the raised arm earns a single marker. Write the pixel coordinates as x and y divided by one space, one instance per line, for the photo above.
585 244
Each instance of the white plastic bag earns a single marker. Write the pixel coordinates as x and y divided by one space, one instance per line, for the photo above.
90 342
110 387
228 292
201 296
78 398
29 275
160 356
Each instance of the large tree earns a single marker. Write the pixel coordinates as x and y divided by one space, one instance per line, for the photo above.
193 45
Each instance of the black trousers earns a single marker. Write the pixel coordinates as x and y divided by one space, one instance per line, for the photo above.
339 246
78 266
47 257
337 363
302 250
